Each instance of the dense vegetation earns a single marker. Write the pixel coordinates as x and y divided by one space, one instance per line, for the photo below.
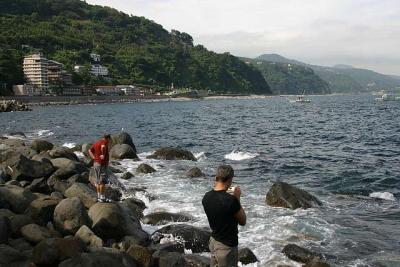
287 78
135 49
343 78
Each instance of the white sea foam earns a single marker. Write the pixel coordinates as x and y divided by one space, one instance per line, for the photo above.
69 145
238 155
383 195
40 133
200 156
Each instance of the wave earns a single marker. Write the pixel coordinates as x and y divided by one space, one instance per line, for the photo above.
40 133
69 145
238 155
200 155
383 195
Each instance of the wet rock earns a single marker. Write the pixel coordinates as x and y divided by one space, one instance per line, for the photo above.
195 239
17 198
113 193
297 253
100 259
111 220
122 138
136 206
26 169
246 256
69 215
195 172
88 237
195 260
144 168
127 176
54 250
158 218
172 154
84 192
41 145
122 152
140 254
35 233
11 257
63 152
41 210
5 229
288 196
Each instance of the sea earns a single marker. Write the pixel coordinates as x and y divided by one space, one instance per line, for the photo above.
345 150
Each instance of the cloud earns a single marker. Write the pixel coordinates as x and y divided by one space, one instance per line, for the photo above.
364 33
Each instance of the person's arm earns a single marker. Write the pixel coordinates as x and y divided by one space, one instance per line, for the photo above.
91 153
240 216
103 152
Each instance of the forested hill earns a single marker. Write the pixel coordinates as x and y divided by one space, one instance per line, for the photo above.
135 49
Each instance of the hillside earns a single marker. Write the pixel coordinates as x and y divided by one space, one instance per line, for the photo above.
343 78
135 49
288 78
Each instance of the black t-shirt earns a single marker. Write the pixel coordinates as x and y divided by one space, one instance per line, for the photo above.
220 208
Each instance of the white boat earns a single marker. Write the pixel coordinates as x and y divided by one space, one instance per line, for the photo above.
388 97
301 99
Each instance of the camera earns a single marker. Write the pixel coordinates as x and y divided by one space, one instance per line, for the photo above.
231 189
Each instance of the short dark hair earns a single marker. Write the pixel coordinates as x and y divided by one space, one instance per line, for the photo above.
107 136
224 173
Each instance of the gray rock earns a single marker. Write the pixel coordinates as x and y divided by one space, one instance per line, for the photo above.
69 215
39 185
16 197
172 154
100 259
84 192
168 259
79 178
41 145
159 218
137 238
195 260
88 237
63 152
111 220
35 233
24 183
21 244
288 196
42 155
41 210
195 172
320 263
85 149
168 247
195 239
144 168
136 206
246 256
4 176
122 138
140 254
14 182
67 168
17 221
297 253
112 193
123 151
54 250
127 176
5 229
57 195
10 257
26 169
56 184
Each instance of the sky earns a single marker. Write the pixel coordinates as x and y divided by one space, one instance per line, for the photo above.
360 33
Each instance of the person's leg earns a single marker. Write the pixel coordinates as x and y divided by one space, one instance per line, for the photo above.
225 256
97 172
213 262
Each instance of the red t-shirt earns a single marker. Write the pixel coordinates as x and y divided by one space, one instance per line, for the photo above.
96 150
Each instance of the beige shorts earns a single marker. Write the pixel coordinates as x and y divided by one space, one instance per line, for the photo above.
223 255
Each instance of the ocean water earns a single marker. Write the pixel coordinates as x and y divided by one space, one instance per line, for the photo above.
343 149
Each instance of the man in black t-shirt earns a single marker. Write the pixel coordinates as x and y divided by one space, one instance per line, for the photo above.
224 213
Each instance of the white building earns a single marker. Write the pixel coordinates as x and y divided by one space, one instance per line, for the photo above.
99 70
35 70
129 90
26 89
95 57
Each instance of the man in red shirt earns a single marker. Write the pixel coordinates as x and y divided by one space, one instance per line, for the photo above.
99 153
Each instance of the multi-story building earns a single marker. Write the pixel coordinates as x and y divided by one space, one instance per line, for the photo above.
35 70
108 90
129 90
99 70
54 71
26 89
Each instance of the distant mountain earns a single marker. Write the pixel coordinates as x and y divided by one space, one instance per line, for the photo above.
343 78
289 78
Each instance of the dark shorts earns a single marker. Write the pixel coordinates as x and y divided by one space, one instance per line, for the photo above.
223 255
101 173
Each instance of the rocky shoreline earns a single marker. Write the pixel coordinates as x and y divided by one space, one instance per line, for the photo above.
13 105
49 215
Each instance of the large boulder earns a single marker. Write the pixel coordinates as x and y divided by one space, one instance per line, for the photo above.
169 153
127 176
67 167
135 206
194 238
297 253
195 172
41 145
100 259
84 192
196 260
41 210
56 184
140 254
17 198
162 217
69 215
27 169
35 233
52 251
123 151
10 257
63 152
88 237
111 220
39 185
287 196
246 256
122 138
17 221
144 168
5 229
85 149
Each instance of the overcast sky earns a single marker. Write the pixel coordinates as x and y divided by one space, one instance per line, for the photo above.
361 33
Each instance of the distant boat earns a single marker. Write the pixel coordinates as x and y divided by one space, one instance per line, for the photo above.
388 97
301 99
